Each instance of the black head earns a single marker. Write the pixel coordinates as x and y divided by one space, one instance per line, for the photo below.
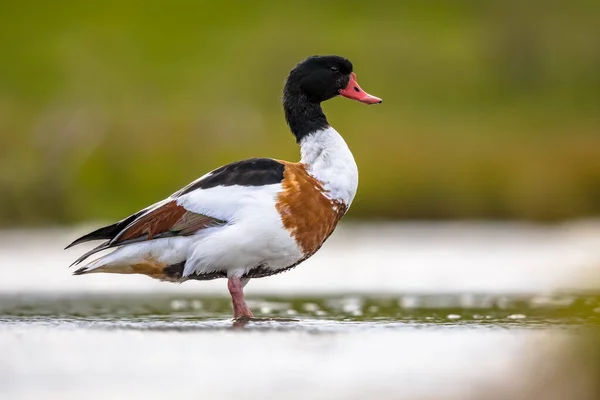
314 80
320 78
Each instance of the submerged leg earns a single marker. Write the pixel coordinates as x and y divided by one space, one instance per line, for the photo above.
236 289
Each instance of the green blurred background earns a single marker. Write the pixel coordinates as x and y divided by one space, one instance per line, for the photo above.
491 108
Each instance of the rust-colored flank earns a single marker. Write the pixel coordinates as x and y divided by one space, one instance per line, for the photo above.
306 212
148 267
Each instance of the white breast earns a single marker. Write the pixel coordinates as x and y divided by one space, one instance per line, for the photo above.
331 162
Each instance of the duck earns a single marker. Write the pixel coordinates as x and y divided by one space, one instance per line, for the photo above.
252 218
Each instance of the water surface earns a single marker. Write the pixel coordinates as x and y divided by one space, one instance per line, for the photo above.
409 311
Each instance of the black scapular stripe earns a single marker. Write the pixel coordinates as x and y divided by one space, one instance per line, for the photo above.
251 172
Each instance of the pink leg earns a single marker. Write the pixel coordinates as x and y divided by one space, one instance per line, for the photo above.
236 289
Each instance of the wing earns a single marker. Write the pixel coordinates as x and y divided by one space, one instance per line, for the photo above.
207 202
165 219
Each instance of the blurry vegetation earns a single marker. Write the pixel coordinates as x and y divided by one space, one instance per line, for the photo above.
491 109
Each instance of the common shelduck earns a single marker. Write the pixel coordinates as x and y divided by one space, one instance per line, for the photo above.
252 218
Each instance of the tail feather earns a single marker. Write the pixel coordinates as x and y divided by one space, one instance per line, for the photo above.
160 259
81 271
93 265
148 267
95 250
106 232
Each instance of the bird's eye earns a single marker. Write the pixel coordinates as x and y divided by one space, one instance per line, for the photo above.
334 69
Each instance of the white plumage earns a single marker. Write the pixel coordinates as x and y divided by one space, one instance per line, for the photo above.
331 162
254 234
251 218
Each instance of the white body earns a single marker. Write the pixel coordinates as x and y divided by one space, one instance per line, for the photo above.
254 234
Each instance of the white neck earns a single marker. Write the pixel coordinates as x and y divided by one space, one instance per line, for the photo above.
329 160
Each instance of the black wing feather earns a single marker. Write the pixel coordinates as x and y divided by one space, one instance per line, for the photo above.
107 232
250 172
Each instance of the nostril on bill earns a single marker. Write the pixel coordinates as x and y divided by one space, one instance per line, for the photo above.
356 89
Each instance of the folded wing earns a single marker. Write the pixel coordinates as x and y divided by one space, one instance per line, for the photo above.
211 201
167 219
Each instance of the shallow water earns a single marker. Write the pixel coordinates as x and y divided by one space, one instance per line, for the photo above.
350 346
410 311
312 314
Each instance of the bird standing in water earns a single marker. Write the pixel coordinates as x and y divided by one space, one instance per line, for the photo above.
251 218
